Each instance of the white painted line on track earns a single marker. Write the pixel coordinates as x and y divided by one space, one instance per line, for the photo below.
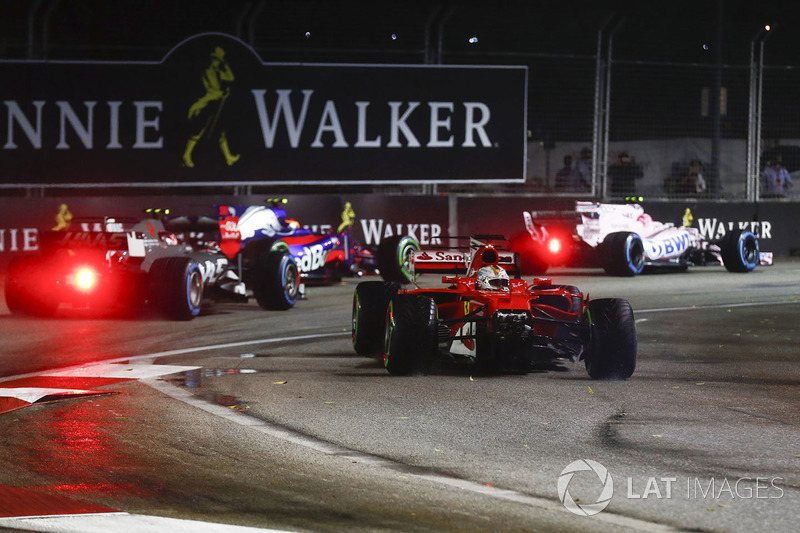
105 369
155 355
105 522
227 345
713 306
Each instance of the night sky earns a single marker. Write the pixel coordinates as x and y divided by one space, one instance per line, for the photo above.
376 31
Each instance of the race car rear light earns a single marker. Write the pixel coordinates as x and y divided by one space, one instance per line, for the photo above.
85 279
554 245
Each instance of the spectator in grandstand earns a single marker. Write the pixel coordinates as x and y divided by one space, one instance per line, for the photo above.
692 181
584 166
623 173
569 179
775 178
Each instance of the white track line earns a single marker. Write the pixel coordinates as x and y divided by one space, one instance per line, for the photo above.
713 306
105 522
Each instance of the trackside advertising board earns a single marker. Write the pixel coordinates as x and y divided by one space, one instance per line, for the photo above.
368 218
212 112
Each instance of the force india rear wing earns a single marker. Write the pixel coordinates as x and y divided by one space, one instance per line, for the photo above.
456 261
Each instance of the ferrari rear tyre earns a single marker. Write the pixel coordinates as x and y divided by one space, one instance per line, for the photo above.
739 250
622 254
410 335
277 281
394 258
176 287
611 350
370 302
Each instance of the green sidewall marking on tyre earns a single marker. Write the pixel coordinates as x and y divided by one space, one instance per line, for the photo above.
388 340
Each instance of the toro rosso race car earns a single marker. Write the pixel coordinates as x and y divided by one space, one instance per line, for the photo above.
275 257
624 240
114 263
318 257
487 317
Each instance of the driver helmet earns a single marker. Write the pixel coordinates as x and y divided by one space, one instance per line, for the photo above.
492 278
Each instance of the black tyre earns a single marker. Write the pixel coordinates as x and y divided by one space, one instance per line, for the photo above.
370 302
622 254
176 287
394 258
739 250
28 288
410 334
276 284
611 349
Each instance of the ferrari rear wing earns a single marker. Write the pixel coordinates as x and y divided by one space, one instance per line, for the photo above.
500 242
455 261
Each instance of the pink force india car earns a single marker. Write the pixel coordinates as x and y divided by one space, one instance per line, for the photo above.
624 241
486 317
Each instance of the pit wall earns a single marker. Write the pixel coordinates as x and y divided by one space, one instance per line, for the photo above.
429 218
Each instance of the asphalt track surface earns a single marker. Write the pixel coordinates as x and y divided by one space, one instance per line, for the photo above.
269 420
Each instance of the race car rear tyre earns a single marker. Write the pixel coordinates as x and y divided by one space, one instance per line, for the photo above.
370 302
394 258
176 287
410 335
622 254
611 350
739 250
277 282
28 290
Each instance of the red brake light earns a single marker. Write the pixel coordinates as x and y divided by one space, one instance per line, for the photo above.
85 279
554 246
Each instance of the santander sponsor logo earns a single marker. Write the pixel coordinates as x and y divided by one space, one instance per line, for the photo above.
442 256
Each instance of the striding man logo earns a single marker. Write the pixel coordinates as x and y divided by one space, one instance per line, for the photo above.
207 113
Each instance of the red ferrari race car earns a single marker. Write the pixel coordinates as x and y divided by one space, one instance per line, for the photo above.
487 317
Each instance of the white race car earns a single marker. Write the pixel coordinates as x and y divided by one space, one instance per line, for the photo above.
623 240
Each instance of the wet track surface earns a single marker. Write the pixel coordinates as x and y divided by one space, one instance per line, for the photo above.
282 426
